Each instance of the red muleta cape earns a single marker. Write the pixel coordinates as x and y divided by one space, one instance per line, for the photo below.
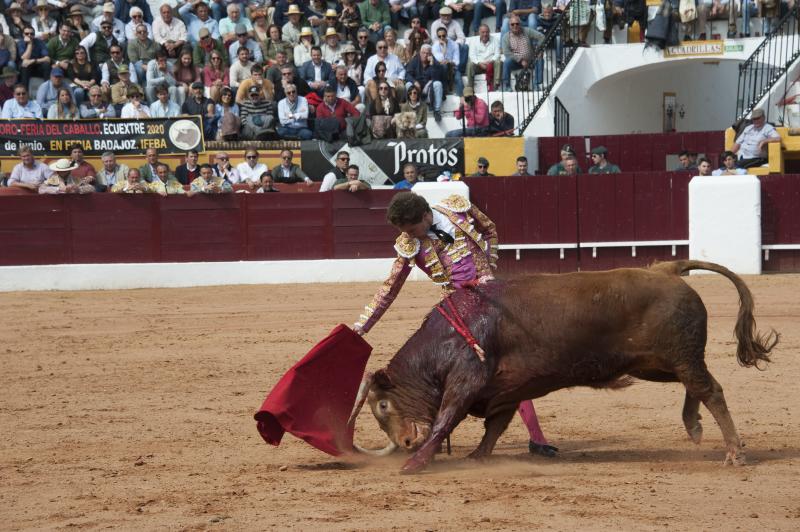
314 399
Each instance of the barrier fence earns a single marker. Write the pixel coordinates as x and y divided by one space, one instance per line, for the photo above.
545 223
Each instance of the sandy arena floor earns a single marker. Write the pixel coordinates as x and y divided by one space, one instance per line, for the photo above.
133 410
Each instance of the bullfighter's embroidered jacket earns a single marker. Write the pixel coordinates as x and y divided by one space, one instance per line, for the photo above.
473 255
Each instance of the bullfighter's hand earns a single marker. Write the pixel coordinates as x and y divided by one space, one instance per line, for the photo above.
485 279
358 330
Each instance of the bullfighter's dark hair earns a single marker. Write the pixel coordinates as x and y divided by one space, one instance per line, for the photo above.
406 208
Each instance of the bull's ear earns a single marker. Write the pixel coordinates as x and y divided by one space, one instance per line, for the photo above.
382 380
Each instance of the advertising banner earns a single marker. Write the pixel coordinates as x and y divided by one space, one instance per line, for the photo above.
381 161
57 137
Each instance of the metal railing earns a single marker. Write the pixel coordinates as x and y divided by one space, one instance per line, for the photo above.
762 70
560 119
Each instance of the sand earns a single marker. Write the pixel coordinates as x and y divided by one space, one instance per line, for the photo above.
133 410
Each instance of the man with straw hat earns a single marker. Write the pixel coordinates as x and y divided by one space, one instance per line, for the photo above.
62 182
331 49
291 30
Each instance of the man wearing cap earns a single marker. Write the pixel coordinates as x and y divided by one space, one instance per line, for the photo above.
62 182
475 113
483 168
119 90
28 173
198 104
243 40
9 79
169 32
455 33
117 26
751 145
197 15
137 18
258 115
316 72
294 25
293 115
47 94
163 107
601 164
75 21
61 47
207 45
99 43
33 57
376 17
228 24
566 152
331 49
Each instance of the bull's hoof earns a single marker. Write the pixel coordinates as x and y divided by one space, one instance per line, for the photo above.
696 433
542 449
477 455
735 458
413 466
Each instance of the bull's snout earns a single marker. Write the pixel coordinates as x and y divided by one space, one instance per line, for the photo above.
414 436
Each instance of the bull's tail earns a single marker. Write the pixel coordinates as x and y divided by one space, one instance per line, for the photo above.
754 347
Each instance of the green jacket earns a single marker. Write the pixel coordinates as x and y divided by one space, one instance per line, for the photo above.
371 14
608 169
61 52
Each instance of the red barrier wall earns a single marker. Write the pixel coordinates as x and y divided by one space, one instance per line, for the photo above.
102 228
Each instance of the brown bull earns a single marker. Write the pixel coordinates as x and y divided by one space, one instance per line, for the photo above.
547 332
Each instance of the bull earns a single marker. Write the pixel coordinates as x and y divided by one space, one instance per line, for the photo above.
547 332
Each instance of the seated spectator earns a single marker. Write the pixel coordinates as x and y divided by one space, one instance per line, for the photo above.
526 11
346 88
302 50
215 76
483 168
96 107
75 21
64 108
338 174
446 51
223 168
135 108
148 170
381 112
20 106
142 49
413 44
107 17
410 177
332 49
61 182
244 41
99 43
169 32
9 80
330 21
240 70
273 44
566 152
43 24
197 16
188 171
257 116
293 116
159 73
163 107
571 167
522 166
501 124
165 182
256 80
28 173
82 74
454 32
426 73
483 8
203 51
475 113
417 26
350 19
8 51
136 15
414 104
266 184
227 114
133 184
484 58
601 164
375 16
250 170
61 47
353 183
119 90
729 165
518 50
109 71
337 108
393 72
198 104
703 166
463 9
227 25
273 73
751 145
684 162
47 94
16 23
110 174
293 26
208 183
33 59
288 172
83 171
186 73
316 72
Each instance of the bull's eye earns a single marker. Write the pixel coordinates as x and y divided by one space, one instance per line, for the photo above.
383 405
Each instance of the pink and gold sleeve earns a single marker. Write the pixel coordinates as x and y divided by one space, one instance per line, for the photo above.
386 294
488 231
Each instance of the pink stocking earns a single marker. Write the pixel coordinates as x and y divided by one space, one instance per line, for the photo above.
528 415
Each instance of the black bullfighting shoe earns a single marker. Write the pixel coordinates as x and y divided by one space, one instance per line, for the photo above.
542 449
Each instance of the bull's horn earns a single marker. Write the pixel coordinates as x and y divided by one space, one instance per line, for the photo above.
386 451
363 389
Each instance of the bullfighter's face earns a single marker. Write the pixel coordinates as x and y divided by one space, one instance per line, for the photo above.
419 229
406 433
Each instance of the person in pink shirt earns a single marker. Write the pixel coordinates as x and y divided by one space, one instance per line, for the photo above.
475 114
